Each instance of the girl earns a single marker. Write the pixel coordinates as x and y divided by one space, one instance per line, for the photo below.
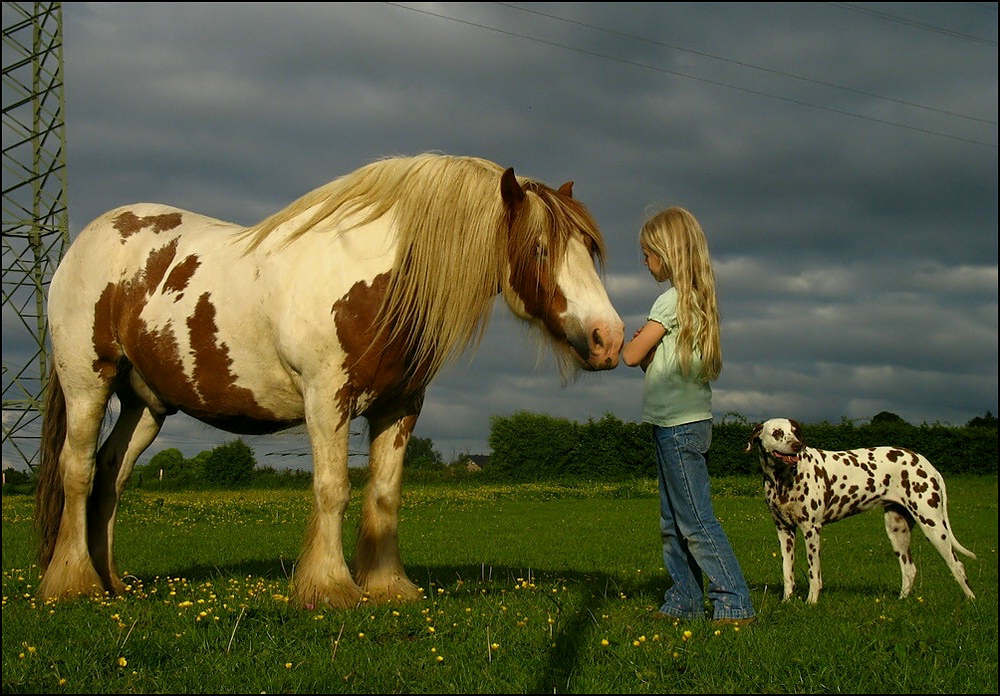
679 350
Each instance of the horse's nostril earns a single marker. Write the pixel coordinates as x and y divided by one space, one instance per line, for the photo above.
596 336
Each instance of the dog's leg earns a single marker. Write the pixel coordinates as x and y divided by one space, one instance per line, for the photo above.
811 536
898 524
941 539
786 540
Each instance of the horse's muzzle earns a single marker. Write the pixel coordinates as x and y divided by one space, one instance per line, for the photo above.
603 345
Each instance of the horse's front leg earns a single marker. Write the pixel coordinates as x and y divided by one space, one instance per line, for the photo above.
321 576
378 566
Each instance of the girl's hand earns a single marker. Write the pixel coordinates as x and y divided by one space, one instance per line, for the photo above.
639 351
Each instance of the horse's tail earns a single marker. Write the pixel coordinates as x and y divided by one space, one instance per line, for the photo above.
49 496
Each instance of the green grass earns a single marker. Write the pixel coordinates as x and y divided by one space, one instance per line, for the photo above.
529 588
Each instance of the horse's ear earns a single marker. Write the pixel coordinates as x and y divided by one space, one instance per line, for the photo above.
510 190
567 189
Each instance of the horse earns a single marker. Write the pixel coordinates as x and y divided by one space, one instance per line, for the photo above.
343 305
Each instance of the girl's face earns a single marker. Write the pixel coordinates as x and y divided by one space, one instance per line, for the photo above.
657 268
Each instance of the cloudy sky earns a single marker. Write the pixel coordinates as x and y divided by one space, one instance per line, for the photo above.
841 157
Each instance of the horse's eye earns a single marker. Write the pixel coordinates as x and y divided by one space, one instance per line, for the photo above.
541 252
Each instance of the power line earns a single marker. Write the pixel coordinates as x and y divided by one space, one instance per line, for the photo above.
751 66
676 73
912 23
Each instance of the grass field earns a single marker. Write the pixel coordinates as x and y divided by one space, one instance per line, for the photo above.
528 588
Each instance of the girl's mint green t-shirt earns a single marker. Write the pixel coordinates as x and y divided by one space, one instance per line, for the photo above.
670 398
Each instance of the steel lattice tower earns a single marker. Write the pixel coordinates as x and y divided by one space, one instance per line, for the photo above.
35 214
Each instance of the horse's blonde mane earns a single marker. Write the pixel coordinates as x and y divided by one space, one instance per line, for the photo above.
452 246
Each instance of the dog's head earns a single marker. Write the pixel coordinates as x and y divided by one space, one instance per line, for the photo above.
780 438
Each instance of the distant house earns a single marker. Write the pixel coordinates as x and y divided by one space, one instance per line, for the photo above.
476 462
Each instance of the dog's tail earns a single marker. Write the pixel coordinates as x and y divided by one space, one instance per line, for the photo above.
959 547
954 540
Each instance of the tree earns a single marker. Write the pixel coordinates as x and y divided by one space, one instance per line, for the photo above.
985 421
420 454
886 418
167 461
229 464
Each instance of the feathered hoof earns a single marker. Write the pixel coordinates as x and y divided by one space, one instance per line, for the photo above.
69 580
397 588
332 595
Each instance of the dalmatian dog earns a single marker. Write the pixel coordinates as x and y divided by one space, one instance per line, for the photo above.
807 487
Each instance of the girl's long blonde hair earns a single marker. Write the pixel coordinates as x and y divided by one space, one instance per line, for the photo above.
678 241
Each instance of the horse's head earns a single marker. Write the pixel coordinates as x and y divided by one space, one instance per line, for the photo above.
551 278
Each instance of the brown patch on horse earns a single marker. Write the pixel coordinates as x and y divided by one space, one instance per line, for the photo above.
119 306
375 368
105 346
156 354
212 374
406 426
532 272
180 275
128 223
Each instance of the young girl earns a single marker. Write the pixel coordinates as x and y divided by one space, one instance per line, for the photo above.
679 350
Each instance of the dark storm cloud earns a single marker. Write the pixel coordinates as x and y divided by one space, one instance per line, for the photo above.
842 159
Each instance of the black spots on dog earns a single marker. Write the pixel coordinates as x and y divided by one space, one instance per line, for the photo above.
904 482
934 500
886 480
922 473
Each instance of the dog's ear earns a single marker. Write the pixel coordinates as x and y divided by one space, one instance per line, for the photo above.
797 430
754 437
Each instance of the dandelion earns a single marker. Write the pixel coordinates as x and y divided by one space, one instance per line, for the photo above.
604 642
288 665
686 635
122 662
62 681
718 632
439 658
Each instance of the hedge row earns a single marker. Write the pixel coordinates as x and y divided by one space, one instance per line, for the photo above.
530 446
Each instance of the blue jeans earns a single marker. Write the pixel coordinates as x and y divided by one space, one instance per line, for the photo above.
693 540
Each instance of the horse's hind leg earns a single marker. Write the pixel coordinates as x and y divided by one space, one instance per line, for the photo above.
70 570
378 567
898 523
136 428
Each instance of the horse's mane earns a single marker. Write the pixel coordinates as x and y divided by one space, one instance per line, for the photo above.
453 241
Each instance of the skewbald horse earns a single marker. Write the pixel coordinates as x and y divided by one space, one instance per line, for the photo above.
345 304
